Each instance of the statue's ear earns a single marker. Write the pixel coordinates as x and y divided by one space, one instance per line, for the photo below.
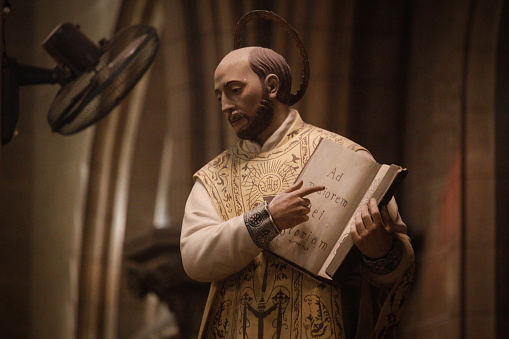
272 83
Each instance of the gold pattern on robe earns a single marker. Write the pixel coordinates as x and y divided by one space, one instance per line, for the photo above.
269 298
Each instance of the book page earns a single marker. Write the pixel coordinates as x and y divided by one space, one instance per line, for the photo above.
345 241
347 176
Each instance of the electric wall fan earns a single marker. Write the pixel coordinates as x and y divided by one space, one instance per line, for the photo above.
93 79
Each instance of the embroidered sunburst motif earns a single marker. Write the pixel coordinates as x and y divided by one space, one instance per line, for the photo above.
263 180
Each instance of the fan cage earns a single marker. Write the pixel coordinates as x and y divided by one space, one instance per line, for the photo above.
89 98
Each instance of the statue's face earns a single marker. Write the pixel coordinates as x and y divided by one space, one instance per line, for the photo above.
242 97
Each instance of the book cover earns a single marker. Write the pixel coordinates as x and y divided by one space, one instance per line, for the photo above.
350 179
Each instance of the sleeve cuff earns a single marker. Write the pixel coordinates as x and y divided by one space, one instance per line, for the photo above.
387 263
260 225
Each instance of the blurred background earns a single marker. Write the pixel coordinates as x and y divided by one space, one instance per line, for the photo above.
90 223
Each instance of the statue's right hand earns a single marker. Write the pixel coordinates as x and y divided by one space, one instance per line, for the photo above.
291 207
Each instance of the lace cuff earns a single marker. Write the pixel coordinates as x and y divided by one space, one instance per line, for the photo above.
260 225
387 263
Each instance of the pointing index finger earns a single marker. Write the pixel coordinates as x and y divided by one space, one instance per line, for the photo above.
310 189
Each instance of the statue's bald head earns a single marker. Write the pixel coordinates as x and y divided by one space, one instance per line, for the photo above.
265 61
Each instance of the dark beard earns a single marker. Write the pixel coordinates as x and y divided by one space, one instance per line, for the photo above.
261 120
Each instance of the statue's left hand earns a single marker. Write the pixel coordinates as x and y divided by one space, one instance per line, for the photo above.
373 231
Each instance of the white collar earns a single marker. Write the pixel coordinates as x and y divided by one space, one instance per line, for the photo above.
276 137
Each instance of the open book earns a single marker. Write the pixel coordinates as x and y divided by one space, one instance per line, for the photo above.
320 245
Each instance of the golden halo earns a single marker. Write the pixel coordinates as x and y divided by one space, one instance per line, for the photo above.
268 15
